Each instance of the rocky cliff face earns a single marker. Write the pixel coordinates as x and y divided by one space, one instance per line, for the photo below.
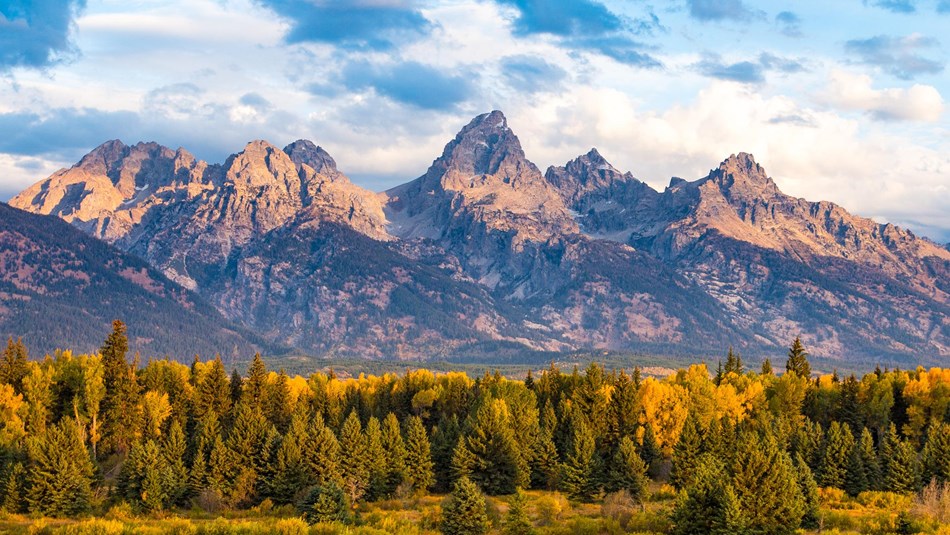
483 252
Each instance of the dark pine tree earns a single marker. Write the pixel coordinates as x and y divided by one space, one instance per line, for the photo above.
418 456
797 362
836 455
686 453
936 453
627 471
13 367
395 455
120 406
516 521
463 512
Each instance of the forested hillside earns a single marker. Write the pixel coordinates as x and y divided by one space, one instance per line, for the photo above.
737 451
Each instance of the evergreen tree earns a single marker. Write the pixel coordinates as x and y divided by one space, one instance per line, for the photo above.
59 473
872 468
856 480
798 360
545 465
488 452
13 365
516 521
936 453
256 385
686 453
322 454
445 438
289 470
353 458
173 450
807 442
708 504
277 404
649 449
120 406
418 456
12 501
395 454
464 510
811 501
863 471
246 444
766 485
734 363
766 368
621 413
376 462
237 387
628 471
214 392
143 476
325 503
221 469
836 455
901 468
578 470
899 464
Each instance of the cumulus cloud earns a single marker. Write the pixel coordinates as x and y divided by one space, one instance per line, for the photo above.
586 25
813 153
855 92
357 24
36 34
898 56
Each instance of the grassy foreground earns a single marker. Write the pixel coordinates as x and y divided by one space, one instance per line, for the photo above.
550 512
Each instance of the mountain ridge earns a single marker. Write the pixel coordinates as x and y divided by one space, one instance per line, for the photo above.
581 257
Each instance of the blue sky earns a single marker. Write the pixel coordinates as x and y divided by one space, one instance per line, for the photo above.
841 101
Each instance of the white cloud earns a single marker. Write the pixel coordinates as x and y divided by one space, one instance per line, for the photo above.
866 166
855 92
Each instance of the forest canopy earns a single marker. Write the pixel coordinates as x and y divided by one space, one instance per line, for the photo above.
745 450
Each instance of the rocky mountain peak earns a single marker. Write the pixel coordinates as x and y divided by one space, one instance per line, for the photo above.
260 164
103 158
740 177
486 146
305 152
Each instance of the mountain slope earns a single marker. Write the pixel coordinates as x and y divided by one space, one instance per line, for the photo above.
61 289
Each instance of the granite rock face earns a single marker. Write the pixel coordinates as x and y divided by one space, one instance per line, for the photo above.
483 253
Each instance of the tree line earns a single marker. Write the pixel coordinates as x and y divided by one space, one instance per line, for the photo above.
746 450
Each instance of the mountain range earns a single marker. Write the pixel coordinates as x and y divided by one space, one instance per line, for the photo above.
485 254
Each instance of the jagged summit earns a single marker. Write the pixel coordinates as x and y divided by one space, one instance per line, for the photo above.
485 147
305 152
740 175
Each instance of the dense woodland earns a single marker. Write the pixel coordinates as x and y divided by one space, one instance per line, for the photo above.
745 450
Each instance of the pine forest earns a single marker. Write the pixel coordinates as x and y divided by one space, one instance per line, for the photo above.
102 443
